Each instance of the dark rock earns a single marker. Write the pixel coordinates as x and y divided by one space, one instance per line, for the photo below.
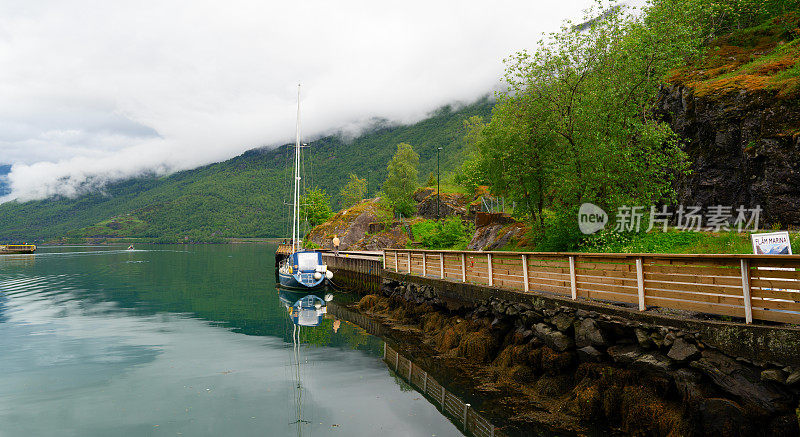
589 354
422 193
653 361
793 378
687 382
643 338
740 381
563 321
740 148
681 350
555 339
624 354
449 205
724 417
588 333
775 375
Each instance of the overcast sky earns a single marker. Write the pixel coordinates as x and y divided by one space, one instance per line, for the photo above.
92 91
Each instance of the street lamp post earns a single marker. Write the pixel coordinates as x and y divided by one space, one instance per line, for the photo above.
438 194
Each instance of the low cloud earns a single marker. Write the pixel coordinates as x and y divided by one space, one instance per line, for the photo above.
92 92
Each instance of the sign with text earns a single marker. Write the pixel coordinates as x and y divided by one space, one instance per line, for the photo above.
773 243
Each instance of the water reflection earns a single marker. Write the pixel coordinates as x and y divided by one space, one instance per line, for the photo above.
185 340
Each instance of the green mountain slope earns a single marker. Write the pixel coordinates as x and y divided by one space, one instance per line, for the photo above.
241 197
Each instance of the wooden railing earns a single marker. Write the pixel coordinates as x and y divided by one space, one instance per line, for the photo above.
462 413
762 287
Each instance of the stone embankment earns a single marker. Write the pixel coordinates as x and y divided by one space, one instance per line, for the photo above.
580 366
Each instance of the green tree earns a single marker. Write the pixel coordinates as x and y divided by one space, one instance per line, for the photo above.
315 206
577 124
401 180
353 192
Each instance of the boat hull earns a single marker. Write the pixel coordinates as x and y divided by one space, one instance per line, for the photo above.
17 248
291 281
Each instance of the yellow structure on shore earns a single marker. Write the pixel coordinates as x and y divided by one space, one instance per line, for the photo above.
17 248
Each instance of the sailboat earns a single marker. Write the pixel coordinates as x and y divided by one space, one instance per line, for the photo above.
301 269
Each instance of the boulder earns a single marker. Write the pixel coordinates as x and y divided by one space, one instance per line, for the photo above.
653 362
422 193
624 354
743 382
682 350
555 339
793 378
774 375
643 338
589 354
588 333
449 205
563 321
495 236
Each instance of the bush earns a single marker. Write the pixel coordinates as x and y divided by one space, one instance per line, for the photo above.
445 234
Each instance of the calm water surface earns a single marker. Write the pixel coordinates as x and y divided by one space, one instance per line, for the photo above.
184 340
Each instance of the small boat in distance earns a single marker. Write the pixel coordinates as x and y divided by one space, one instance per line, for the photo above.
17 248
301 269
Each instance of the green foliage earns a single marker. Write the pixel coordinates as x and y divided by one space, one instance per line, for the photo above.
666 242
431 182
245 196
353 192
576 123
401 179
315 206
449 233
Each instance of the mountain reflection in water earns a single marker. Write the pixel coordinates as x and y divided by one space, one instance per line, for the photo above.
184 340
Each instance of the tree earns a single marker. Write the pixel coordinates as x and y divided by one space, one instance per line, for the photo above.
401 180
315 206
577 124
353 192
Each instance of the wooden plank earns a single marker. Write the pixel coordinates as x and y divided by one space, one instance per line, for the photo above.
607 295
536 274
698 297
640 283
704 271
607 273
550 288
604 280
782 274
774 294
703 307
698 288
525 276
691 262
708 280
784 263
572 278
533 262
776 316
601 266
562 270
783 305
787 284
606 287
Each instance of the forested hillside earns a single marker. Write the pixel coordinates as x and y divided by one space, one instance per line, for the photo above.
241 197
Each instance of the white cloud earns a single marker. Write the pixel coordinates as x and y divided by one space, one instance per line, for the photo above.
95 91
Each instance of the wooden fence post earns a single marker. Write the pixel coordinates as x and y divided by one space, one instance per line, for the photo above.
384 260
425 382
572 282
408 255
466 409
424 264
441 264
640 282
525 272
396 263
748 307
463 267
491 279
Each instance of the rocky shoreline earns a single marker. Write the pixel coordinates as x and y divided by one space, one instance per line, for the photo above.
575 370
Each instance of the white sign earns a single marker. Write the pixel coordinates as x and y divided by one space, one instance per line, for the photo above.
773 243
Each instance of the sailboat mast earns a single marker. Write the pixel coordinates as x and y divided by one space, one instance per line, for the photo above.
296 200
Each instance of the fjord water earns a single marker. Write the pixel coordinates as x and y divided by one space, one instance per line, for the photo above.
183 340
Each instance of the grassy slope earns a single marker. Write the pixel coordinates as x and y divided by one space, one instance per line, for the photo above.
241 197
